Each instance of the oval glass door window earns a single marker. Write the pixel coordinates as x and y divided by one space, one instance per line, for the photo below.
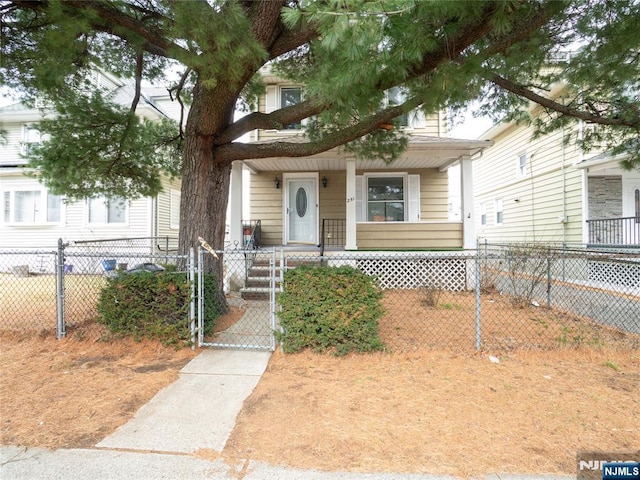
301 202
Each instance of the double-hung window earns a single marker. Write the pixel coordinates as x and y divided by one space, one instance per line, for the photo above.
397 96
385 199
290 96
389 197
499 220
107 211
483 214
522 167
31 137
31 207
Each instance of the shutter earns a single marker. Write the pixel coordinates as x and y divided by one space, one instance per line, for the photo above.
360 216
414 198
271 100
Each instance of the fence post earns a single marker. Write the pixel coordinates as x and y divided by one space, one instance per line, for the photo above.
201 299
60 326
549 279
478 282
192 303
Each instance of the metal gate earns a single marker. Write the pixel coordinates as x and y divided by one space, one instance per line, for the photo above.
251 281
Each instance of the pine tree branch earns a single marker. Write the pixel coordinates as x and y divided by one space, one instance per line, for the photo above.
567 110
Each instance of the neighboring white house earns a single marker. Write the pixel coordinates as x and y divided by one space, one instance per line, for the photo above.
32 217
547 190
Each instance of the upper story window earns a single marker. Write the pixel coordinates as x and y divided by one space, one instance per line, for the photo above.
397 96
31 207
499 220
107 211
290 96
522 168
30 137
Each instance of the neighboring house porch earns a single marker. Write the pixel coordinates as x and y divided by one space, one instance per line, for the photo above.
612 203
336 200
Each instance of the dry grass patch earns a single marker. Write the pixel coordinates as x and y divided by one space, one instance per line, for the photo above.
441 412
71 393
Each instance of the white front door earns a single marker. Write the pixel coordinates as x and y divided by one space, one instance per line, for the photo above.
301 210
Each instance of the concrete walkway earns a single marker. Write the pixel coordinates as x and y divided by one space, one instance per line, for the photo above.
195 413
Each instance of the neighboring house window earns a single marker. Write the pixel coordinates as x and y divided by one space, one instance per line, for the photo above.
499 212
483 214
29 207
396 96
30 138
522 165
107 211
174 221
290 96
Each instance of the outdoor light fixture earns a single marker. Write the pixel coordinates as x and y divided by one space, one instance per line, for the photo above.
324 182
276 182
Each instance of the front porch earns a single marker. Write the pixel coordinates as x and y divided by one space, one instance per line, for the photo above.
334 200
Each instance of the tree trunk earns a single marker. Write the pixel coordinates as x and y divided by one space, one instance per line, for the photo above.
205 185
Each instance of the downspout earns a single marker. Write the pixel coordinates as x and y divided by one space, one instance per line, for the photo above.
564 191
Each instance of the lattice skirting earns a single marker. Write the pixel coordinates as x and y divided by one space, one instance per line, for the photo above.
407 273
625 274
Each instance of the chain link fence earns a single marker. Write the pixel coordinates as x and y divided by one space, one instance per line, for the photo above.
504 297
499 298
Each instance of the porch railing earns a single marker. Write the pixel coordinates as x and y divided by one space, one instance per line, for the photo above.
251 234
614 231
333 233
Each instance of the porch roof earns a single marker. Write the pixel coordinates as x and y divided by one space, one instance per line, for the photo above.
422 152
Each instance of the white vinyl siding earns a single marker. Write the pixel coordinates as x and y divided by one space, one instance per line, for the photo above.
174 215
532 204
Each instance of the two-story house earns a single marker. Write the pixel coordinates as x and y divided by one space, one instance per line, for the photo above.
334 198
33 217
546 189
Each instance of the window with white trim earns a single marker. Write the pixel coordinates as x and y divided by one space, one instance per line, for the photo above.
106 211
31 207
499 218
397 96
522 165
290 96
393 197
174 215
483 214
31 137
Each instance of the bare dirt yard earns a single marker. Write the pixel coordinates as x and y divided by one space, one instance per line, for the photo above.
453 411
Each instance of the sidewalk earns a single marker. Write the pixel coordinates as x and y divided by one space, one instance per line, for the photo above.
196 412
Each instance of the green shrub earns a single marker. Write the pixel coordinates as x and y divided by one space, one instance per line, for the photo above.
329 309
154 305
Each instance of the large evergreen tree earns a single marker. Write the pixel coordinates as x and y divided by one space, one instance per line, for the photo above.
506 53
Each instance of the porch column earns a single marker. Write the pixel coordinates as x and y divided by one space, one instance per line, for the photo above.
468 214
235 204
350 234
